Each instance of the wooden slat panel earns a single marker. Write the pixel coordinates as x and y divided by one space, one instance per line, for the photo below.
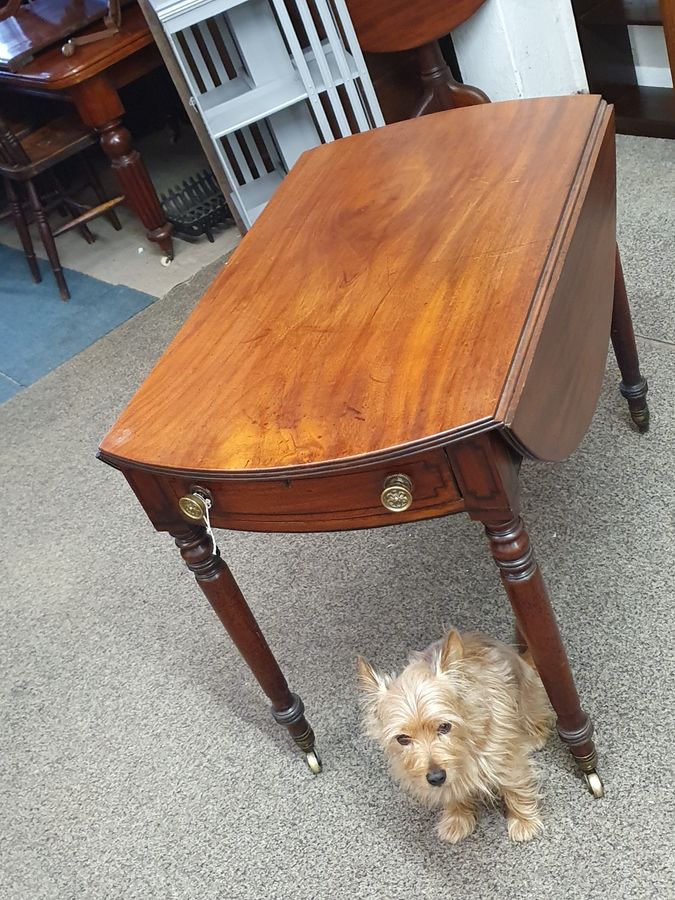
233 144
303 69
199 62
228 42
253 150
315 44
335 41
210 44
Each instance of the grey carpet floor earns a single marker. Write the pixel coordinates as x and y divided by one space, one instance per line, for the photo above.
137 755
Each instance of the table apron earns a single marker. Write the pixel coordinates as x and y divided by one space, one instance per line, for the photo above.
333 502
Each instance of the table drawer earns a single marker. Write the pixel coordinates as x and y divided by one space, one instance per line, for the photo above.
350 499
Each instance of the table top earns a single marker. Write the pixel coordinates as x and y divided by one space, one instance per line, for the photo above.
388 297
383 26
44 22
51 70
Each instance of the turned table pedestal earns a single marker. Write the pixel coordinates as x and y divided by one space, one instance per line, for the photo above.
418 308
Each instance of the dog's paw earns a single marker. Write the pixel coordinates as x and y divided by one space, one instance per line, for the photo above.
541 731
455 826
524 829
539 739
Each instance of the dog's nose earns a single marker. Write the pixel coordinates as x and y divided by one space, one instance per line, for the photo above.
436 777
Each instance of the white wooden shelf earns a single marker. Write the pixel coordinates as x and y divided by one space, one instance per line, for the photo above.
336 75
256 194
176 15
238 102
264 92
249 105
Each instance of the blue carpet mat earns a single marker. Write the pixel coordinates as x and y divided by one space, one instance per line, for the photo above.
38 331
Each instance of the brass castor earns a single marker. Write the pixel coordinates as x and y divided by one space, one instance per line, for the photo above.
595 784
636 395
314 762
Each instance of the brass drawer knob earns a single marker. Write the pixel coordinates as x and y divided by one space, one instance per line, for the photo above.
193 507
397 495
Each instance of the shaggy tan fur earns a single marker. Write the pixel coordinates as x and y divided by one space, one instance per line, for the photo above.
458 726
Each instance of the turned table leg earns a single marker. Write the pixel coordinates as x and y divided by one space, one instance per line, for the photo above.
138 189
633 386
519 641
99 106
222 592
441 90
510 546
487 472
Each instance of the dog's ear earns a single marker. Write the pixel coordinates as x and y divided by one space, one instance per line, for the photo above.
372 682
373 686
452 650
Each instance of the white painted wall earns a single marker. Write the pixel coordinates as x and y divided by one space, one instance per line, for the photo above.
521 48
650 55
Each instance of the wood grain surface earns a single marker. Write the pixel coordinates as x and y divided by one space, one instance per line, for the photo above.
386 301
386 25
43 23
319 503
562 381
52 71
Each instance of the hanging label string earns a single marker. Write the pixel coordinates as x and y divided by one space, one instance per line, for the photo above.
207 523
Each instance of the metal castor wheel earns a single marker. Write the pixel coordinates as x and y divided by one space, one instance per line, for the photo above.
166 260
314 762
595 784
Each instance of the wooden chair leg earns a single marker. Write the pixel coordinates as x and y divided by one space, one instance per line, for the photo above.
22 229
222 592
633 386
73 207
101 195
47 239
510 546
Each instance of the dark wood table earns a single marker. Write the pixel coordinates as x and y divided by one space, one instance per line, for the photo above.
391 26
400 328
91 79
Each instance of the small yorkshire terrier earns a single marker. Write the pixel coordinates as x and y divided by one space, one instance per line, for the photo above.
458 725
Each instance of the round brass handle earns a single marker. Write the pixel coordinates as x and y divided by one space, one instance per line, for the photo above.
397 495
193 507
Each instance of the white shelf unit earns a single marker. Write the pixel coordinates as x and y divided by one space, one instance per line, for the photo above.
268 79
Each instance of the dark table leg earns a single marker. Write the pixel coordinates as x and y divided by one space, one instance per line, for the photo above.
100 107
138 188
21 226
222 592
527 592
441 90
633 386
518 640
47 239
487 472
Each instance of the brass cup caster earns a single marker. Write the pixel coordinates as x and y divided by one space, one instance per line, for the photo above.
595 784
636 395
314 762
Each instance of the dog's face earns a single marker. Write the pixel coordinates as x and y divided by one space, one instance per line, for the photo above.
420 718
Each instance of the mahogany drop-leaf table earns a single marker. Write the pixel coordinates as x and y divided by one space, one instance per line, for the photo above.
417 309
